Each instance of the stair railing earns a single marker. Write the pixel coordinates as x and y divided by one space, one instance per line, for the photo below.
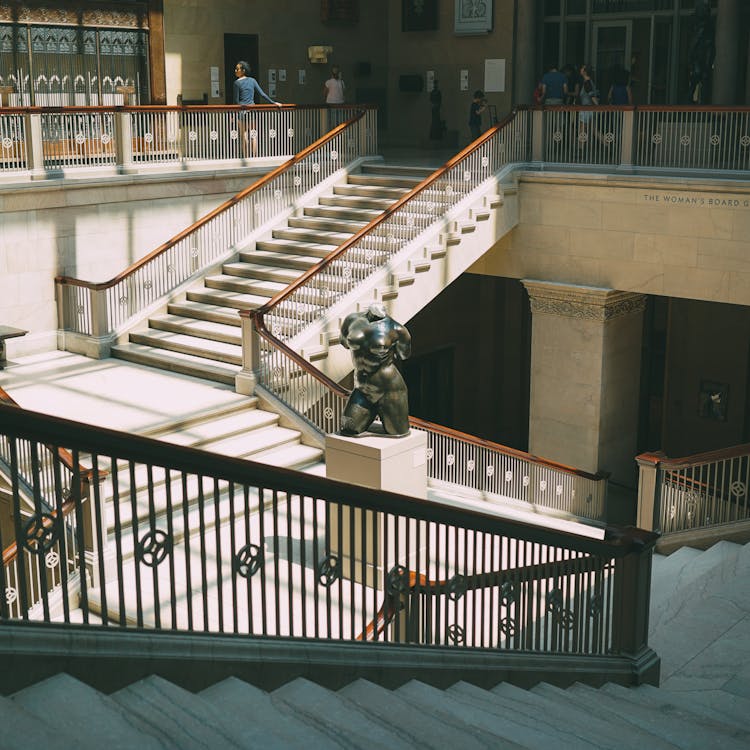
453 457
263 551
98 310
49 481
321 287
696 492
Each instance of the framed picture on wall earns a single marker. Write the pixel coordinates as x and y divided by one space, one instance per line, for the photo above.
419 15
472 16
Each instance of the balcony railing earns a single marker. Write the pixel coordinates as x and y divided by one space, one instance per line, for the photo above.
696 492
52 140
191 541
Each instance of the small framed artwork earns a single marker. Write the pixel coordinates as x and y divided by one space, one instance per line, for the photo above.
472 16
713 399
419 15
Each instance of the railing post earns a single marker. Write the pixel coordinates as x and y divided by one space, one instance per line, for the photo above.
626 147
630 611
537 135
648 492
246 379
34 145
124 142
99 322
324 120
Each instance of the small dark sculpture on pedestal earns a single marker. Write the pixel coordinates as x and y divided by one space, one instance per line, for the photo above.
376 342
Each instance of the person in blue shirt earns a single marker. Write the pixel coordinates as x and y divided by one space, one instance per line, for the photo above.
245 88
554 86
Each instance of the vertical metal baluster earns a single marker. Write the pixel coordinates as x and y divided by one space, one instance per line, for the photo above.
152 529
171 537
289 556
276 593
217 536
100 531
303 562
58 490
204 552
262 542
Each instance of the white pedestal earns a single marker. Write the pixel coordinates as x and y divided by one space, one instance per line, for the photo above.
383 463
393 464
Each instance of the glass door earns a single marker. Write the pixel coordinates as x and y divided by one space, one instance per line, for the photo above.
611 53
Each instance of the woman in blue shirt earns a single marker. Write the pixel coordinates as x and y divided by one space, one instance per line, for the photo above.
245 88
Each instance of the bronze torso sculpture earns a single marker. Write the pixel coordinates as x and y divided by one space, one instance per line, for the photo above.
376 342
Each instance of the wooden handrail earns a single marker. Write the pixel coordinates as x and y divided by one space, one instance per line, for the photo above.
659 459
211 215
416 421
331 257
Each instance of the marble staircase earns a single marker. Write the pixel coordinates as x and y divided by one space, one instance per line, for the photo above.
701 623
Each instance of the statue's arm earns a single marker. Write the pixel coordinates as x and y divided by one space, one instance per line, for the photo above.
403 342
345 326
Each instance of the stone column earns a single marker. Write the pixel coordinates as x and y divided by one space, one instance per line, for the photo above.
727 62
585 376
524 52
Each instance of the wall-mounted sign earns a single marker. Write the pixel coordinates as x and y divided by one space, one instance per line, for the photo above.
301 77
282 75
472 16
494 75
464 80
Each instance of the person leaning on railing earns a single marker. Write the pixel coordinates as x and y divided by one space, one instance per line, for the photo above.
245 88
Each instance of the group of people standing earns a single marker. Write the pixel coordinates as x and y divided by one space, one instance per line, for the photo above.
570 87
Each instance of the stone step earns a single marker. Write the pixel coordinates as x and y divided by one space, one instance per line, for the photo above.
246 286
198 347
229 334
365 215
22 730
205 311
370 191
383 180
397 169
255 272
203 433
322 224
228 299
311 235
354 201
185 364
65 705
294 247
299 262
297 456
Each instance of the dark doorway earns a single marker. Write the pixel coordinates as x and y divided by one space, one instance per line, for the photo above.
429 379
238 47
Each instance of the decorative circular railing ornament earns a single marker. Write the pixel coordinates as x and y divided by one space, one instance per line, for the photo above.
672 512
470 464
11 595
738 488
66 493
170 268
430 207
456 634
315 168
485 161
609 138
508 476
508 593
193 136
297 180
450 459
745 141
410 221
557 136
253 133
369 253
153 548
430 454
564 618
691 505
347 272
457 587
685 140
51 559
302 391
589 499
328 571
508 627
328 413
272 133
105 138
276 330
248 561
558 490
398 580
7 143
277 194
656 139
596 605
467 176
543 485
214 135
148 137
715 139
172 137
123 300
81 309
583 137
233 135
526 481
148 284
80 139
449 190
334 155
290 132
40 533
490 470
194 253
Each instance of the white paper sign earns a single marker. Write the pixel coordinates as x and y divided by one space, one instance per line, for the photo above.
214 74
282 75
494 75
464 78
215 90
271 77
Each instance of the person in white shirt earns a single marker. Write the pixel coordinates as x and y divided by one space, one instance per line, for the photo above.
333 89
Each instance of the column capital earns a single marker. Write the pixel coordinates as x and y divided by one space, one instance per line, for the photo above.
584 302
